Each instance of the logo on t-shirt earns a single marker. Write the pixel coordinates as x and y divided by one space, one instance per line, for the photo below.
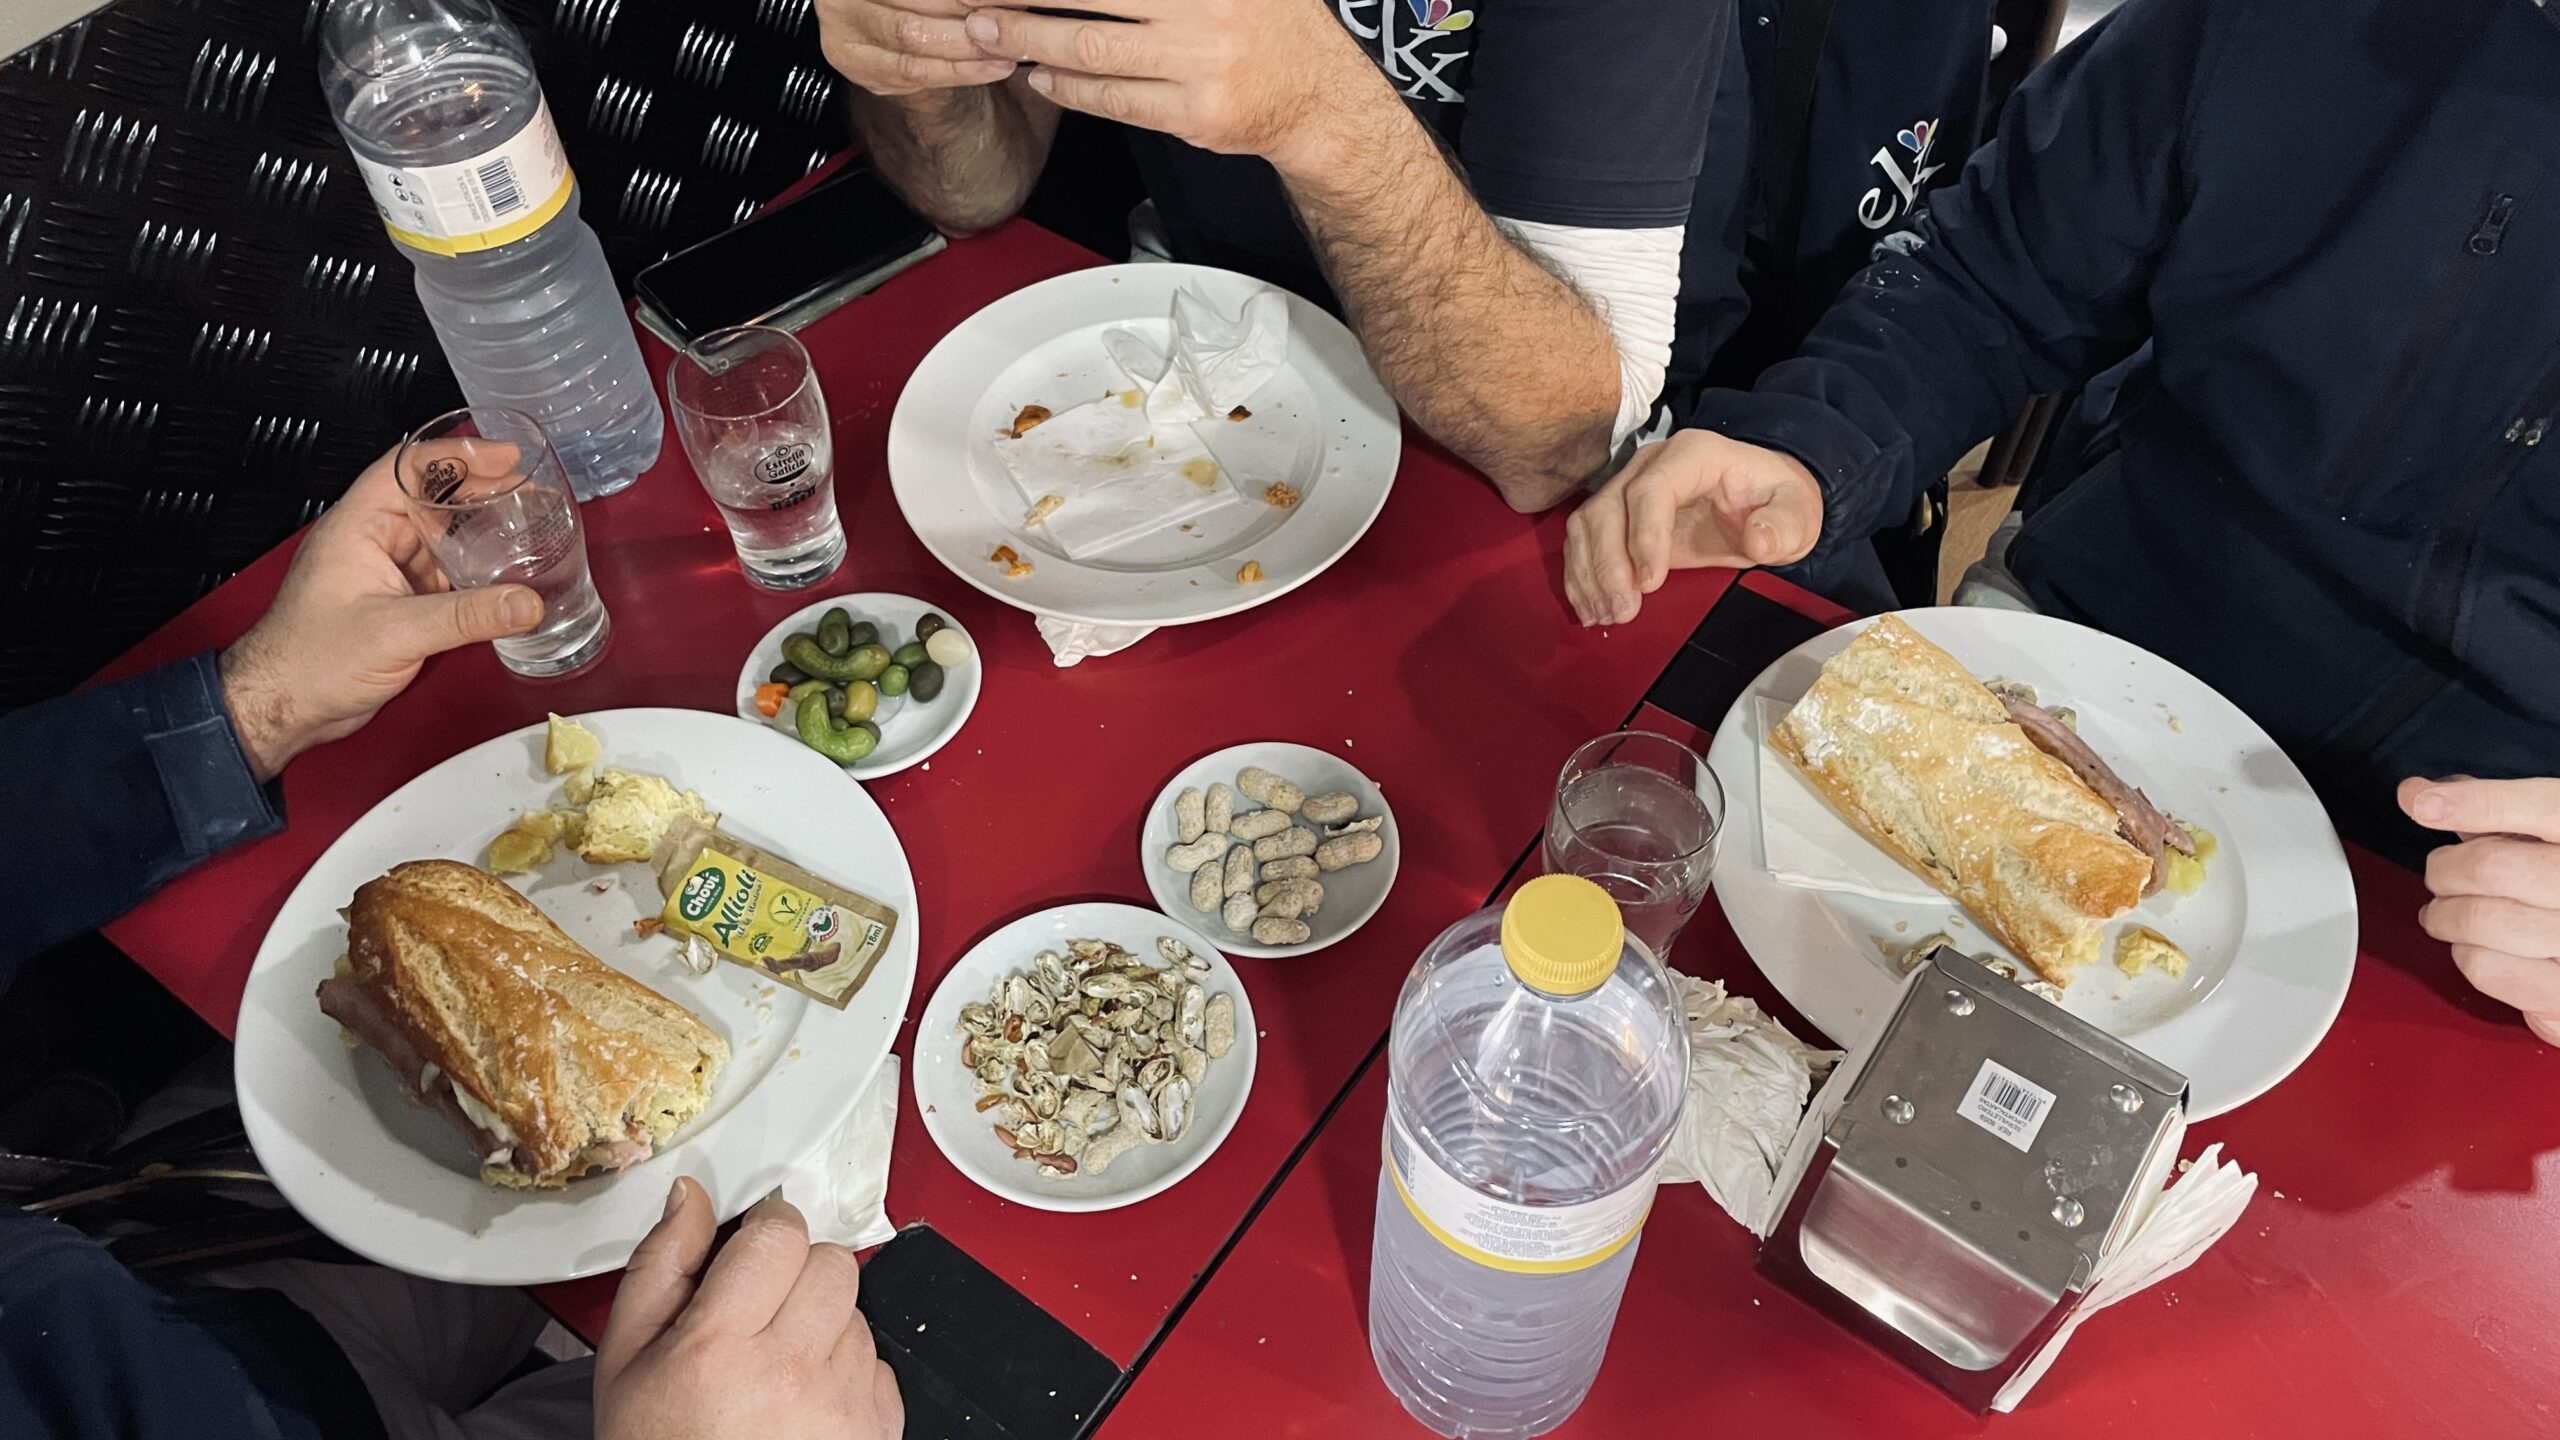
1415 43
1888 202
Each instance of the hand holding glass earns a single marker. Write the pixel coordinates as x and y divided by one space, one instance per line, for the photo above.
494 506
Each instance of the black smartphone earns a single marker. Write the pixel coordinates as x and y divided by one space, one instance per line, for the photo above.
789 265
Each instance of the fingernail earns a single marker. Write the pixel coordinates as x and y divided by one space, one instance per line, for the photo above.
982 27
2431 808
1040 81
675 1198
523 609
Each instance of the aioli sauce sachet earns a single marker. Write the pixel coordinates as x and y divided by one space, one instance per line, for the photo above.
767 914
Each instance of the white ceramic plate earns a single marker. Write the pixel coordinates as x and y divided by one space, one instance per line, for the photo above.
910 729
946 1093
2272 935
396 1183
1324 424
1351 894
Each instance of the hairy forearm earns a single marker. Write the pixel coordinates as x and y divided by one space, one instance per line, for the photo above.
1490 353
966 158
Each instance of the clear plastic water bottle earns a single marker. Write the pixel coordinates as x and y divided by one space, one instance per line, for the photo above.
1537 1070
439 102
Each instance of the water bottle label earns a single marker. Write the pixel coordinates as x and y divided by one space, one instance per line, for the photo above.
1506 1235
495 198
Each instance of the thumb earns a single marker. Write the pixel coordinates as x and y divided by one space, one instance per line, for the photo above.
432 624
1783 527
659 1281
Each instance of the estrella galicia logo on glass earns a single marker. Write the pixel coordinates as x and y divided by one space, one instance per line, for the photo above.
783 464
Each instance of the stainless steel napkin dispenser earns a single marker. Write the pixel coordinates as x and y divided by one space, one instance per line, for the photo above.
1977 1159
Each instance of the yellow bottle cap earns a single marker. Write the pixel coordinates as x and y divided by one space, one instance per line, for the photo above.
1562 934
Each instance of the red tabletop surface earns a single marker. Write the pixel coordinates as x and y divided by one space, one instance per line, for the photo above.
1438 656
2397 1273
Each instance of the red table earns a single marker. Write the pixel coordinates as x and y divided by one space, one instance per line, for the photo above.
2398 1273
1439 657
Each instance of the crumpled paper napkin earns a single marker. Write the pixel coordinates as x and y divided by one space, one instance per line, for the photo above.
2170 1229
842 1188
1806 844
1748 1081
1121 470
1099 475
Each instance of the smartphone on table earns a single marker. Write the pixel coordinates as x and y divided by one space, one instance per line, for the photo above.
789 265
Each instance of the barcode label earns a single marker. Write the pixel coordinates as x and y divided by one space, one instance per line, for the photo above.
2007 1104
498 180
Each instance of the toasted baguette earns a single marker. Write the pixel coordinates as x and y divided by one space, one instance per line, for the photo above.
1915 753
587 1068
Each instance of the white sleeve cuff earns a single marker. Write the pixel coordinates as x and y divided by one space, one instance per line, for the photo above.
1633 277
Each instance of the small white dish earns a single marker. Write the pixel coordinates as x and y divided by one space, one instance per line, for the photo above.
1351 894
946 1093
910 729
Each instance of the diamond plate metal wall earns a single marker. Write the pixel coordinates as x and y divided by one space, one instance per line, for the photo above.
204 333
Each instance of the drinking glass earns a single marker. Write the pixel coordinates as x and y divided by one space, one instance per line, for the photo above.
491 500
1638 813
755 425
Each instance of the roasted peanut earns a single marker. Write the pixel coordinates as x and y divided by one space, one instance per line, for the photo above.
1264 788
1255 824
1187 858
1357 849
1295 867
1207 887
1289 899
1276 931
1239 913
1218 810
1239 868
1190 818
1329 809
1296 840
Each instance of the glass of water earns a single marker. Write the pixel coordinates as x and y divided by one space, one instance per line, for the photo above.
748 409
491 500
1638 814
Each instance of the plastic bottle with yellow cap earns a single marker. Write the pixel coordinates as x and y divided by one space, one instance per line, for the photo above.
1536 1074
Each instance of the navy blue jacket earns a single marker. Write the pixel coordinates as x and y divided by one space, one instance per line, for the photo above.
2336 223
123 786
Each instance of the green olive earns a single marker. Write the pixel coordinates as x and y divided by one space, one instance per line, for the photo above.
791 701
911 655
861 700
835 631
845 744
787 673
926 626
893 681
924 681
865 633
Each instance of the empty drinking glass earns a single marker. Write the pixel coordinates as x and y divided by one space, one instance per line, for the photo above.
1638 813
494 506
747 406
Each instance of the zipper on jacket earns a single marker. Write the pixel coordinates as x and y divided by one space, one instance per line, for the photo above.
2365 450
2446 563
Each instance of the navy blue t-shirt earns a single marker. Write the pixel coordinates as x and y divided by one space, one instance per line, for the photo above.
1562 112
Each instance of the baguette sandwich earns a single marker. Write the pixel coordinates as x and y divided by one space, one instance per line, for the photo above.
554 1064
1949 779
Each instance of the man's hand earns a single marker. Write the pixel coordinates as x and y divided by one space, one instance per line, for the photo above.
1242 77
2498 892
1694 500
764 1346
899 47
361 608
